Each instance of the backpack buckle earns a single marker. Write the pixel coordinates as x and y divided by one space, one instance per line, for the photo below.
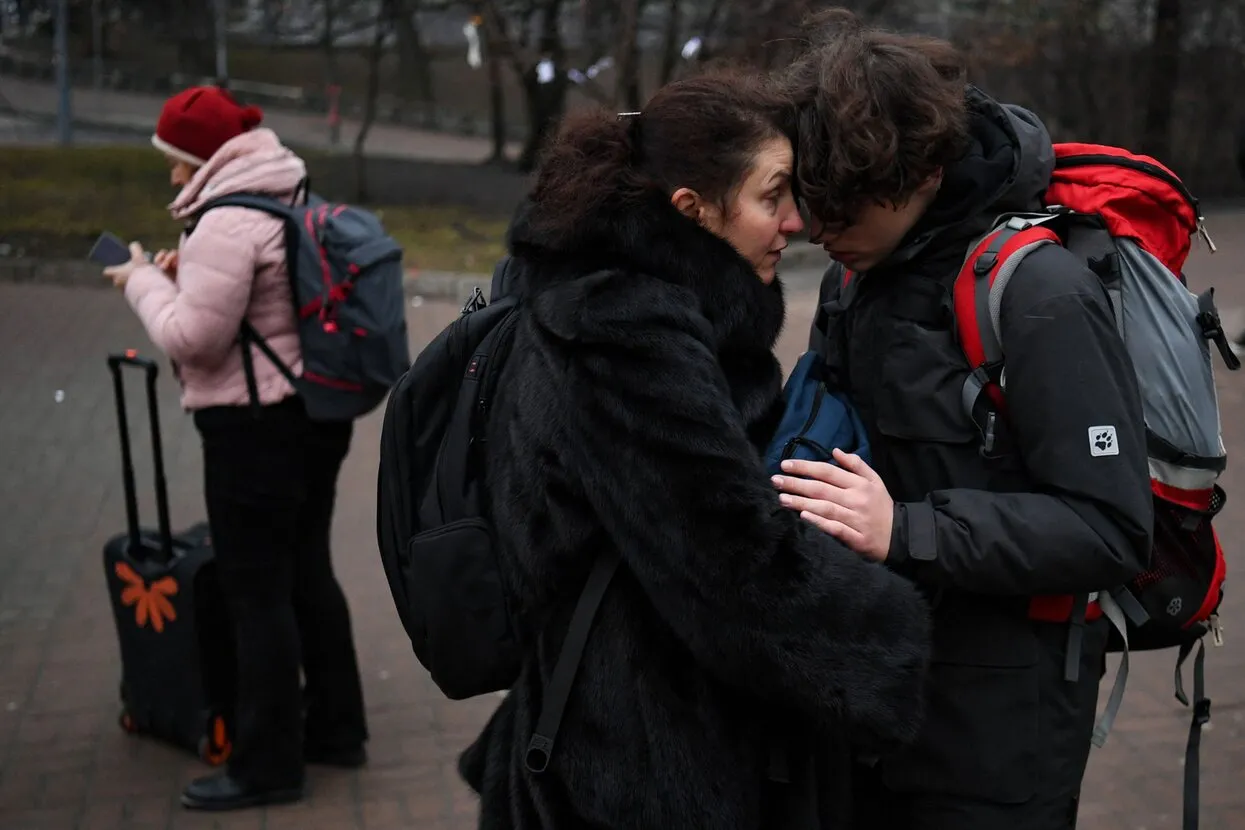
1212 327
1208 321
1201 711
475 301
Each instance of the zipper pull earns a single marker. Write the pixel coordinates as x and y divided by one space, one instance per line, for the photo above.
1216 630
1201 229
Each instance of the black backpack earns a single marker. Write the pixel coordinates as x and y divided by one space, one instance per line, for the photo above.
437 543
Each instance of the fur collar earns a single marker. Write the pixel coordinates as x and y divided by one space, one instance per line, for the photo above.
651 237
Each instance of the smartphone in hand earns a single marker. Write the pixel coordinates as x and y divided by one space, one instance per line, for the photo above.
109 249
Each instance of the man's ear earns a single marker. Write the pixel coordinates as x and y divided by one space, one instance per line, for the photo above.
933 183
687 202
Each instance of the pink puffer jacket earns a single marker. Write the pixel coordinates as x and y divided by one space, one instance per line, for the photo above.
232 267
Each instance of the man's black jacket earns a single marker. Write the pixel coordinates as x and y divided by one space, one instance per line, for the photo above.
981 533
1044 516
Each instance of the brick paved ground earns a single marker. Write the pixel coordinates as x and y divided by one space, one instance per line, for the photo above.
64 764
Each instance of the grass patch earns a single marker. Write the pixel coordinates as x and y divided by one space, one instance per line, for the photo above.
54 202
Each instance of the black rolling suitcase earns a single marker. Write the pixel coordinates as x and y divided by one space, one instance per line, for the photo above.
177 652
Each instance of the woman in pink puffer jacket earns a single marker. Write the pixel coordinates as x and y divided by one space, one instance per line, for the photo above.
269 481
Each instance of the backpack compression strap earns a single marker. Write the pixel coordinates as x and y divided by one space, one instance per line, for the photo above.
1201 716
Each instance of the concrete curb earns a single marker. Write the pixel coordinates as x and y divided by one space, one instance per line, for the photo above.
71 272
432 285
445 285
454 286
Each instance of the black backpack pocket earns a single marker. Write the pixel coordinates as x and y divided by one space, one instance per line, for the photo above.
454 587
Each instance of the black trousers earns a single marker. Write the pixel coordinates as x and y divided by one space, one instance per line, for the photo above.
1026 775
270 485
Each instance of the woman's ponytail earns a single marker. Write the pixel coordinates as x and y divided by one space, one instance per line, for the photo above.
594 158
700 132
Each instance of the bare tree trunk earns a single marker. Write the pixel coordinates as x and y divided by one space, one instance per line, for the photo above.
496 46
597 21
627 95
671 49
1093 113
414 62
332 84
545 101
193 24
1164 79
708 24
272 18
496 98
373 93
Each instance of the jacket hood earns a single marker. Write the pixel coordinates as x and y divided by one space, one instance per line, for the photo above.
1006 168
253 162
649 236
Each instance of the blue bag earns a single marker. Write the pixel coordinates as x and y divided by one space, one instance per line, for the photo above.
816 420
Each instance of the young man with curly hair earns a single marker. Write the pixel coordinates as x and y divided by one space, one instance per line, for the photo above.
902 164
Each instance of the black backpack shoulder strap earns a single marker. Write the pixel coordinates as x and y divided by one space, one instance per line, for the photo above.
254 201
540 748
465 434
500 285
247 333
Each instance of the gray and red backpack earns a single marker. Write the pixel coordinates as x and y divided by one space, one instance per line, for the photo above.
346 278
1133 221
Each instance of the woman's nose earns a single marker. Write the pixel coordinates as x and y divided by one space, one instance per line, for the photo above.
793 224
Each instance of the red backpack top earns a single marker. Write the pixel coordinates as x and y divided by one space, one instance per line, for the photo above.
1133 221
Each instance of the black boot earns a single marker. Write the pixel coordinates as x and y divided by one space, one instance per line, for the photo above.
224 792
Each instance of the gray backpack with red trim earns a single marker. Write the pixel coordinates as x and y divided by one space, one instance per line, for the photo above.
346 278
1134 221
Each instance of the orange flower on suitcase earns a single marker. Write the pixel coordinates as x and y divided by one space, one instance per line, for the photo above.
150 602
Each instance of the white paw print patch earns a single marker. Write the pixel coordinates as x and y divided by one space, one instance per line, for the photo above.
1103 441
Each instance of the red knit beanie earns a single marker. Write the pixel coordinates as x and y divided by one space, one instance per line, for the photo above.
197 122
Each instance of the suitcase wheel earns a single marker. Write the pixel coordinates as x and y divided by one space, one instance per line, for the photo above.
215 747
126 721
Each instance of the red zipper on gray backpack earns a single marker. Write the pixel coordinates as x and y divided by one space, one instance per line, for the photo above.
1092 159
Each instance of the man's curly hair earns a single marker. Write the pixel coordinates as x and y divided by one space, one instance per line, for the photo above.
876 114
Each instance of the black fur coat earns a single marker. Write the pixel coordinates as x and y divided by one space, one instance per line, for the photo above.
641 386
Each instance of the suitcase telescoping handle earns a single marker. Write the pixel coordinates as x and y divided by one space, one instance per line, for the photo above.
115 363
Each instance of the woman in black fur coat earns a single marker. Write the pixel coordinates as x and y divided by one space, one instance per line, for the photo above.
741 659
